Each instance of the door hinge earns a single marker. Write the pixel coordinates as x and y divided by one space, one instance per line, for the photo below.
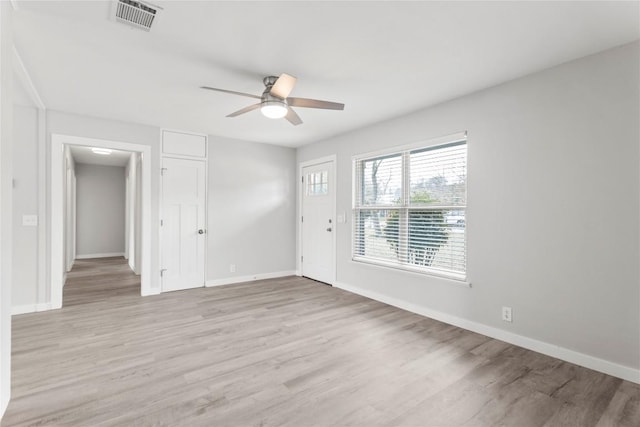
162 171
161 223
302 178
301 219
162 270
301 258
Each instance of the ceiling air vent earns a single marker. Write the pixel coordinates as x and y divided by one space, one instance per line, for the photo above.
136 13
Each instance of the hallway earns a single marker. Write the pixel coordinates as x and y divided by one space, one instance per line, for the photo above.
98 279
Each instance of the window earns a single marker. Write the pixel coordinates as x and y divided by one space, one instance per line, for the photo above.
409 208
317 183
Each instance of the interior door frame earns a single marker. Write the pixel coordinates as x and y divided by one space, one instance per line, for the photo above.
299 265
58 142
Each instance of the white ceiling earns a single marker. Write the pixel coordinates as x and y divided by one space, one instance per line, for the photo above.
84 155
382 59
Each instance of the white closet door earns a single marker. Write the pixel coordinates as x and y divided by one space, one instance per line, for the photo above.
183 224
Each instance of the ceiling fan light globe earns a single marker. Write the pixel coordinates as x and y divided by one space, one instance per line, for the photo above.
273 110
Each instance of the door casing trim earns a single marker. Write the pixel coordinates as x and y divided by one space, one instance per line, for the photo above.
56 257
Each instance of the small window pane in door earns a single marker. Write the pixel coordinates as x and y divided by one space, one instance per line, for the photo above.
317 183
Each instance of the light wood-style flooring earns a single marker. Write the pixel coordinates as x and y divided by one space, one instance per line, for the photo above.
281 352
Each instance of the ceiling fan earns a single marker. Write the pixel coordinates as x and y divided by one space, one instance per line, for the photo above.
275 102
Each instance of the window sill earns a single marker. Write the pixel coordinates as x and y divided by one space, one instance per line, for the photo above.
458 280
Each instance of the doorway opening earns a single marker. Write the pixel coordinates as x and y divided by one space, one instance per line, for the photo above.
83 223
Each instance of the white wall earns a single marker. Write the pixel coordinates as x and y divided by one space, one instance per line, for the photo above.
100 210
251 197
553 211
6 135
251 193
25 202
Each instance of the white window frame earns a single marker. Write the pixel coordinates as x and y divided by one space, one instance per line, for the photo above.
403 150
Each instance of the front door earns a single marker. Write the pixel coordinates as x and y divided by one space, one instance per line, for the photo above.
183 224
318 222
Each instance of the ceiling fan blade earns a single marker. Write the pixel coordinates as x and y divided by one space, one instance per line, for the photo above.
231 91
293 117
245 110
283 86
314 103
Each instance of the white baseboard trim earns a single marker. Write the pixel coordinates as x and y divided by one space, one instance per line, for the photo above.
240 279
591 362
30 308
149 292
23 309
5 399
104 255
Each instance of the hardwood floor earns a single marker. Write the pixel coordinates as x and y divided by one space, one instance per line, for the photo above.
281 352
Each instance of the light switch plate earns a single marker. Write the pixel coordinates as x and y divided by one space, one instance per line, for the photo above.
30 220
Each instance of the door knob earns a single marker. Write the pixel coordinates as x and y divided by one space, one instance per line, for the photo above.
201 231
329 229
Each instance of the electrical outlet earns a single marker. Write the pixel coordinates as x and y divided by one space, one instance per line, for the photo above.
232 268
506 314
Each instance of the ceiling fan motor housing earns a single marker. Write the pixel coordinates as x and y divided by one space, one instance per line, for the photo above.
272 106
267 97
